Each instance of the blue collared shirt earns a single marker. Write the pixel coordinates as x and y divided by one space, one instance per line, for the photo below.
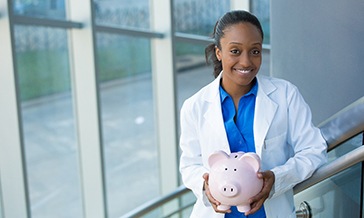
239 125
239 130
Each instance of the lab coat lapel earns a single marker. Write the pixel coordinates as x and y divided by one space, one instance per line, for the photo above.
213 117
265 109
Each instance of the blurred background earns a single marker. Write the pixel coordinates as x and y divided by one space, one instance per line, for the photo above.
91 91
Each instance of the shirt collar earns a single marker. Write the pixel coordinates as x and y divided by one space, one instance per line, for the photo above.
253 91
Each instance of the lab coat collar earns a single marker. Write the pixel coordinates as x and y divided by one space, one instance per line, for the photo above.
265 109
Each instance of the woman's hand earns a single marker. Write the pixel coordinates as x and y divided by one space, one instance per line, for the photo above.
212 200
257 201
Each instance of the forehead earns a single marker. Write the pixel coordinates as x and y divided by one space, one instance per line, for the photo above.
242 32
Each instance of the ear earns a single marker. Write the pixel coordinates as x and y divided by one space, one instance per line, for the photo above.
252 159
218 53
217 156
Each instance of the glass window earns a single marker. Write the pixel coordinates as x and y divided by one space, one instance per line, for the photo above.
345 147
192 71
124 13
48 121
261 9
193 17
54 9
198 16
128 126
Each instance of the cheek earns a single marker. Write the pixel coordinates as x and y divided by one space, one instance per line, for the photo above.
257 61
228 62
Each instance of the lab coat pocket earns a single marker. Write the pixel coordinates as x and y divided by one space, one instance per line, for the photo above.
275 150
273 142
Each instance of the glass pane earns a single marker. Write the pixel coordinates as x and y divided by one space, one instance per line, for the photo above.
261 9
198 16
346 147
123 13
54 9
127 110
192 71
336 197
48 121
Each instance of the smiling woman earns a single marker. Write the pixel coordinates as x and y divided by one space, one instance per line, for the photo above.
241 111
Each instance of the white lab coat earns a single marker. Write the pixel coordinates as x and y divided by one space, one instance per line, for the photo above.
285 139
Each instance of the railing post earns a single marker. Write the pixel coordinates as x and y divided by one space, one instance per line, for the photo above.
304 210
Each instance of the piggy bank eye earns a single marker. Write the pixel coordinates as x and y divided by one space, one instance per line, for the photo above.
225 168
235 169
236 156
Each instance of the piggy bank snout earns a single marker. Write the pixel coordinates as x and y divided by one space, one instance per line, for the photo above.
229 189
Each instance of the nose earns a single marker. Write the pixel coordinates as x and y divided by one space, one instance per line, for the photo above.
229 190
245 60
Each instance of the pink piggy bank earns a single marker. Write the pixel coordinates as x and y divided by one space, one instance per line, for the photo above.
233 179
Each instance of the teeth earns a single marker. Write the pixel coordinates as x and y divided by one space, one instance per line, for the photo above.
243 70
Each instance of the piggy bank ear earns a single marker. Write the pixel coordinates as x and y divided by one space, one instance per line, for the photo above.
252 159
236 155
216 156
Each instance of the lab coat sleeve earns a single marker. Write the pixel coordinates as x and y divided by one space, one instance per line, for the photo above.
191 164
307 143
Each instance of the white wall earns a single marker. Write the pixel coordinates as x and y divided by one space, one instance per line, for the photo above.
319 46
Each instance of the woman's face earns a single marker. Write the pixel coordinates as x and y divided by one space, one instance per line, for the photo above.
241 56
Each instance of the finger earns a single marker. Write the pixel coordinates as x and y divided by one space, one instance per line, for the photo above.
212 200
260 175
205 176
254 207
260 196
221 211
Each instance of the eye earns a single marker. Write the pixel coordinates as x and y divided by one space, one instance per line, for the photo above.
235 51
255 52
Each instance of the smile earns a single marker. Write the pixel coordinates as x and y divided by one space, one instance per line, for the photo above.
244 71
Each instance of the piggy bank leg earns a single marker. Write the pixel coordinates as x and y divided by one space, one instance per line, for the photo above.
223 207
243 208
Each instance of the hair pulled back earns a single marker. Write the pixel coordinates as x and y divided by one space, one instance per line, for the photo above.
228 19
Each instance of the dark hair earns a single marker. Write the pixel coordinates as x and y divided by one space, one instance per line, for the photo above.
228 19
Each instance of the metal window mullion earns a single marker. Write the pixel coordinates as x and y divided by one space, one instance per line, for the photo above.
87 109
128 31
26 20
12 169
192 38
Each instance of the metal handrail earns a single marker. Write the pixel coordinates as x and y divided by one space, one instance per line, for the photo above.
336 130
155 203
345 124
